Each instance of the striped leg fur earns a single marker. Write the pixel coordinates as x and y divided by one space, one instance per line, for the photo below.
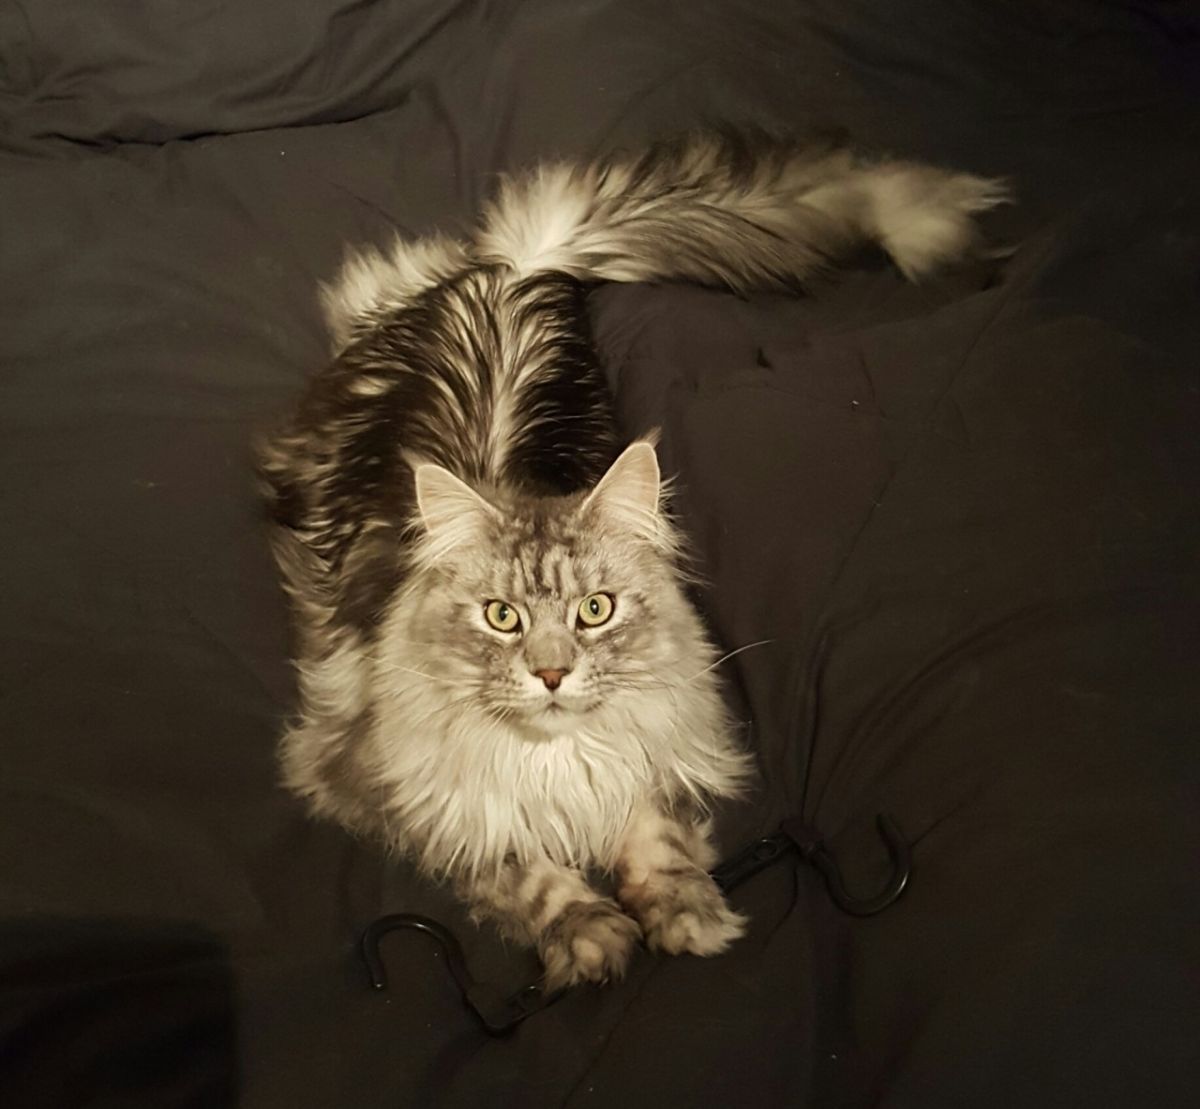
664 884
579 935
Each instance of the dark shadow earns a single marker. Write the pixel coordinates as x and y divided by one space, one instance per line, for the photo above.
115 1012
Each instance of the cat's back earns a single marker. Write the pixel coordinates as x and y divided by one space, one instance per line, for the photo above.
486 373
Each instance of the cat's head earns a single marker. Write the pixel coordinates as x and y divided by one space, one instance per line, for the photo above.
545 611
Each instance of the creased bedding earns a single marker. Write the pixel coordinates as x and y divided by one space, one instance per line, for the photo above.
965 514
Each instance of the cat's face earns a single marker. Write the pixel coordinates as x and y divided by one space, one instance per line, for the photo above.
546 612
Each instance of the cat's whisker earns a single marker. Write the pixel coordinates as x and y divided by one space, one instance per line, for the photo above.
500 713
726 658
397 668
645 678
638 682
475 695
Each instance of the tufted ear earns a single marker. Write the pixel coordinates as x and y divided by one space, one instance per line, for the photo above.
452 512
628 494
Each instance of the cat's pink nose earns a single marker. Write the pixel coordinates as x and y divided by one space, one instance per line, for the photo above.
552 678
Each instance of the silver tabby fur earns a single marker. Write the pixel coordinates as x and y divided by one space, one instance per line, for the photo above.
461 449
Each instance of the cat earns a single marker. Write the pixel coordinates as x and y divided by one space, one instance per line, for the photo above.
500 674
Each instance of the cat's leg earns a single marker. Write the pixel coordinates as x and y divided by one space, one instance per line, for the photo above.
580 935
664 883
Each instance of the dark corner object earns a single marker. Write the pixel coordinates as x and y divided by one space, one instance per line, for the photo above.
500 1014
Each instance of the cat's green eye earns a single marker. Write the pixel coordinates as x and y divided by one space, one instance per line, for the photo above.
502 616
596 610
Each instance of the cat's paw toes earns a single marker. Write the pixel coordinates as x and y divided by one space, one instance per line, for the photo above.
589 941
685 912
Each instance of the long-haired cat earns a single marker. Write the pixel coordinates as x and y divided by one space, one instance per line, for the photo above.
500 675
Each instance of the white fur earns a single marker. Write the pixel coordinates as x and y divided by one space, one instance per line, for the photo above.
923 217
372 282
335 689
469 789
538 232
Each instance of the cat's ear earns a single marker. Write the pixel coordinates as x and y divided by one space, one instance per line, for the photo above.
628 494
452 512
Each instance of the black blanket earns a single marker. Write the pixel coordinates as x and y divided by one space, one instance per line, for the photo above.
965 515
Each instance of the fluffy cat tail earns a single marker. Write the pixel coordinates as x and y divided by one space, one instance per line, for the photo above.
748 212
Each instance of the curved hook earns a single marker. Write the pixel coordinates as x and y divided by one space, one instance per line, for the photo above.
446 940
497 1013
812 849
500 1014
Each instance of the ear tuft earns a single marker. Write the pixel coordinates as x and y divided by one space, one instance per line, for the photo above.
452 512
628 494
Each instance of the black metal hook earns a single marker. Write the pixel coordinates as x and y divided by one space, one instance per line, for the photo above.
795 836
497 1013
500 1014
750 860
812 848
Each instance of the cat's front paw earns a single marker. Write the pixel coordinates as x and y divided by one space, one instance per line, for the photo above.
589 941
684 911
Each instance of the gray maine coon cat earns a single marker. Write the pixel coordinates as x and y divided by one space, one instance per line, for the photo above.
499 673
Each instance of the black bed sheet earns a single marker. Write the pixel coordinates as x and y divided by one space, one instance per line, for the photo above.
964 513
